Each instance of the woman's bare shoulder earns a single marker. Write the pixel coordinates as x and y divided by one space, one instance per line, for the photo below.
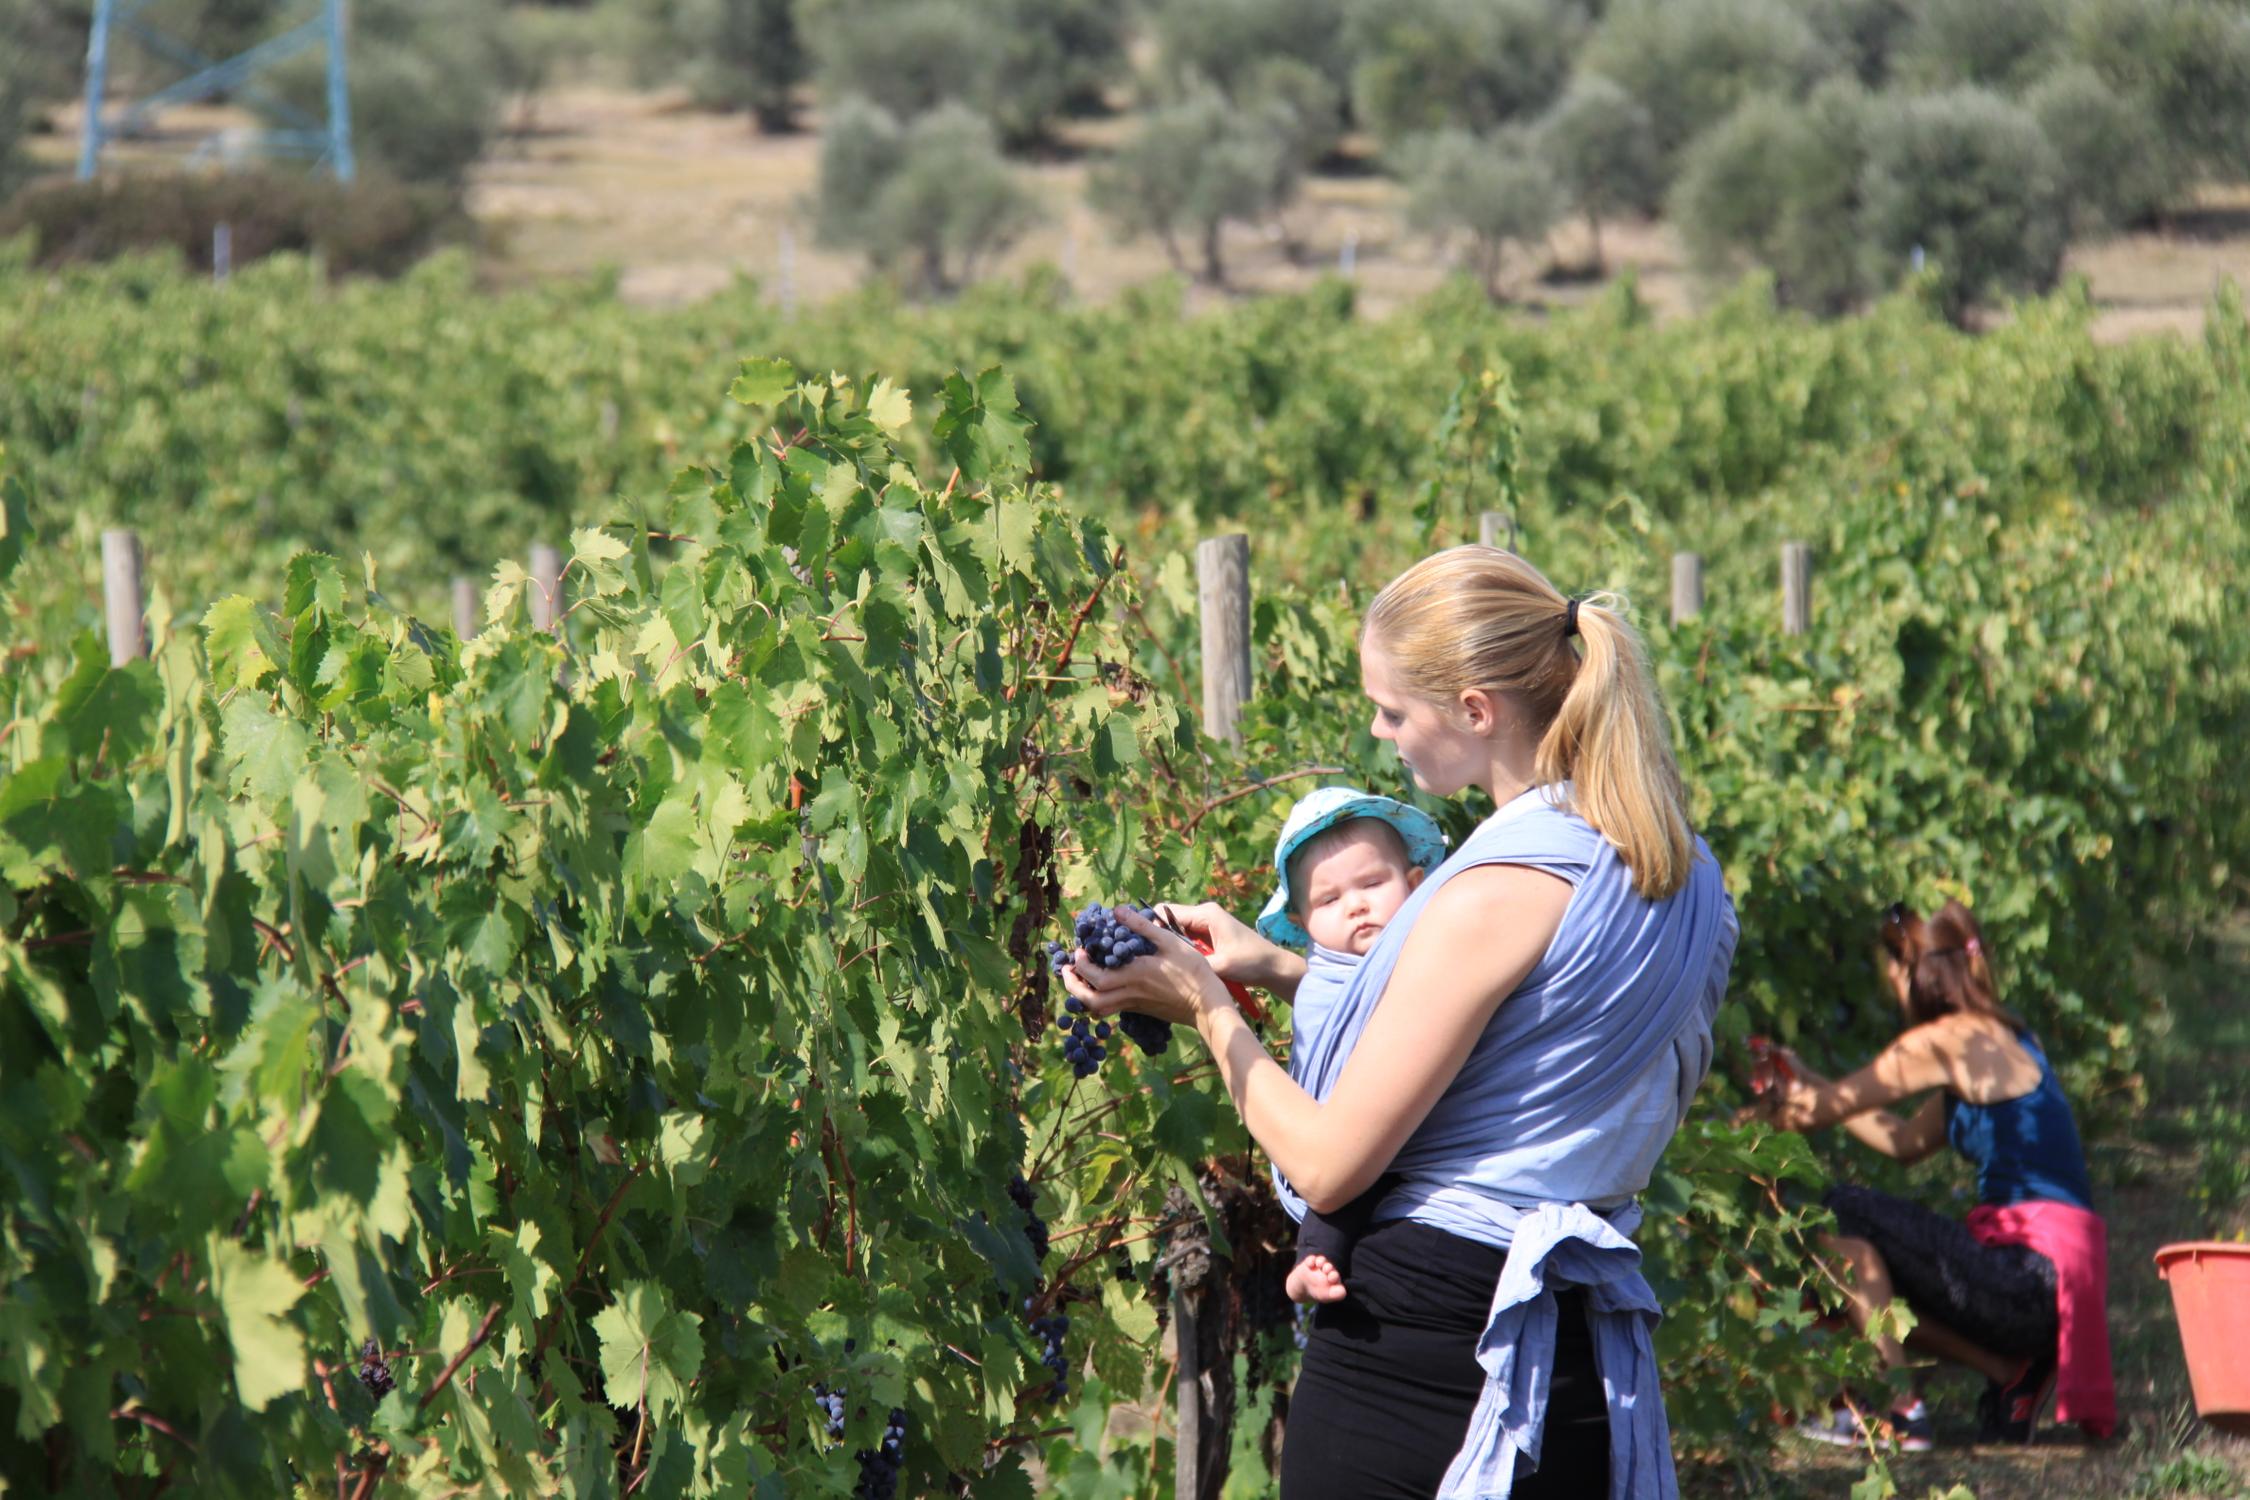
1982 1055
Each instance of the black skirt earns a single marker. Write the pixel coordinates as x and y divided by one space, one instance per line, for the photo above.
1390 1378
1998 1297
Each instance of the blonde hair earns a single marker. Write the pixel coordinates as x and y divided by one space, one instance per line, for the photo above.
1479 617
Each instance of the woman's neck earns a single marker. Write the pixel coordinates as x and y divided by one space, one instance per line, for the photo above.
1511 768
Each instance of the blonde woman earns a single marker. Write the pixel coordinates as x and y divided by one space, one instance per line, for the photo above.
1518 1047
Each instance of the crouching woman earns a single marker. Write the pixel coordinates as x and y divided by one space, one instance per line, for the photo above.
2018 1290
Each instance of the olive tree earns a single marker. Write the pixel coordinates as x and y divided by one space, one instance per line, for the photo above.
2185 64
744 54
1216 44
1425 65
1021 64
1861 37
1999 44
1494 191
2116 168
1967 178
931 201
426 91
1193 168
1691 63
1776 185
1601 145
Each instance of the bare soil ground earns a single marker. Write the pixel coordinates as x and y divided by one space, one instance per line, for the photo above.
679 202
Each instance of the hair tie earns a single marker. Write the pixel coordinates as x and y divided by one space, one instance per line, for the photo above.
1570 618
1975 947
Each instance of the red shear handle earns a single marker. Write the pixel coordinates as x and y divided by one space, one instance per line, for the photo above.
1769 1066
1242 996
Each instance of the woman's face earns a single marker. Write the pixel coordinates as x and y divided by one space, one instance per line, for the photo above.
1899 980
1439 750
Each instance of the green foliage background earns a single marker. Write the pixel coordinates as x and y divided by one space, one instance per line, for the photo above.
627 1030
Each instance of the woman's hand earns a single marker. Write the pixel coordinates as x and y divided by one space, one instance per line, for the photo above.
1794 1102
1237 951
1174 984
1803 1099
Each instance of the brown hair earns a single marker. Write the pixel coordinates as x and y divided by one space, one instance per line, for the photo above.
1479 617
1947 968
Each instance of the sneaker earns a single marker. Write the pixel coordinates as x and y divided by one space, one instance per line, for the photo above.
1908 1429
1912 1428
1839 1428
2009 1413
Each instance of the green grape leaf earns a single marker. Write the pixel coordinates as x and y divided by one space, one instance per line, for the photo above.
888 407
763 382
650 1351
266 751
313 587
33 1366
16 532
107 710
663 848
255 1295
241 641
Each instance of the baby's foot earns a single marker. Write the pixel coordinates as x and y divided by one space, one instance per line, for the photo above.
1315 1279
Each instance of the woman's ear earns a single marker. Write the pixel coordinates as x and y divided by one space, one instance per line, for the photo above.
1480 709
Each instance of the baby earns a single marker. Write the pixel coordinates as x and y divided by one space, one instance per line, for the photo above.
1346 862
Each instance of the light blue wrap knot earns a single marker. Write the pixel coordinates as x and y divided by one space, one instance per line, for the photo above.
1566 1244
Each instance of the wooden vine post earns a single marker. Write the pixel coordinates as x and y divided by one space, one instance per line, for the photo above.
1796 588
1203 1397
1496 528
546 588
1222 580
465 609
1687 586
121 597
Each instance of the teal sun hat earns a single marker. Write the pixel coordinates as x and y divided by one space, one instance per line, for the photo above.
1316 811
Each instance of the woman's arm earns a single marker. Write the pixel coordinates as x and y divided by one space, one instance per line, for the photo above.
1471 947
1909 1065
1910 1139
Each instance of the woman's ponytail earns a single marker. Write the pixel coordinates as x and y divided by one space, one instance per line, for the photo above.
1610 742
1480 617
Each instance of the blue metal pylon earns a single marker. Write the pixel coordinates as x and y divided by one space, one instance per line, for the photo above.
295 134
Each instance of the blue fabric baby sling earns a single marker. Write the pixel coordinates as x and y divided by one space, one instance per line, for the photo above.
1553 1124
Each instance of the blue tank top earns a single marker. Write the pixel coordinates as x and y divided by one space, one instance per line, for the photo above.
2025 1149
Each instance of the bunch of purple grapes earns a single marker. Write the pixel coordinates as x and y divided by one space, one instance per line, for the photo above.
1051 1331
1034 1227
879 1468
831 1404
1111 945
375 1371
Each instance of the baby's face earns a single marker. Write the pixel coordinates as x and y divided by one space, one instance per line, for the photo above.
1352 891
